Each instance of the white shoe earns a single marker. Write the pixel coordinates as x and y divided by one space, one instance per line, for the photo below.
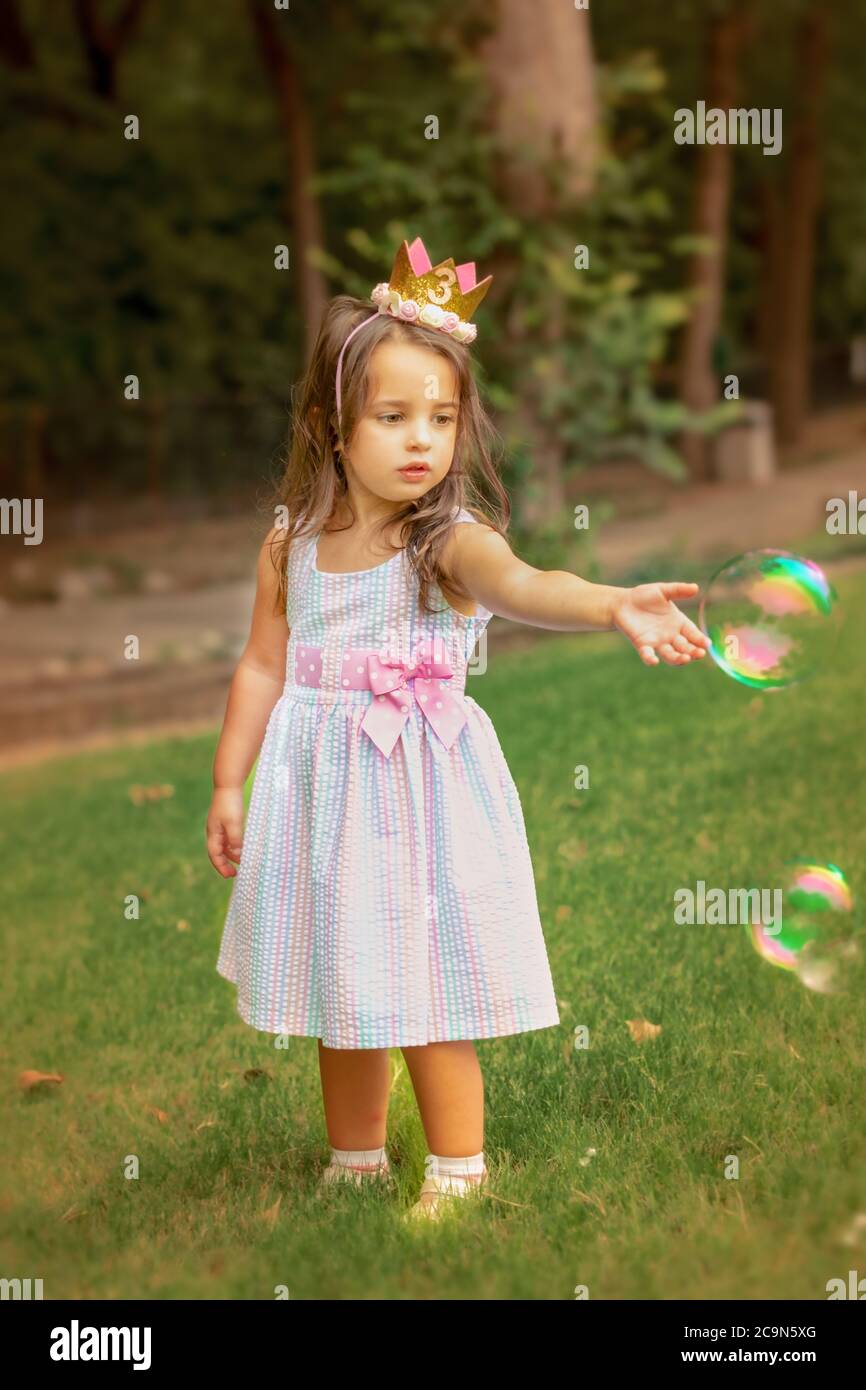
441 1194
335 1173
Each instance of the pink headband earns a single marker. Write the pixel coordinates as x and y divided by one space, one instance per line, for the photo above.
340 366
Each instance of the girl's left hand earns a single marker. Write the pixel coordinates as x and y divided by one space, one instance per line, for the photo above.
647 616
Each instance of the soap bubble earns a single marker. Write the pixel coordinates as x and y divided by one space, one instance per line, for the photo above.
827 967
772 618
815 940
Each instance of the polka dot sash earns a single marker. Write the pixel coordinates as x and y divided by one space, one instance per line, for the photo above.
395 684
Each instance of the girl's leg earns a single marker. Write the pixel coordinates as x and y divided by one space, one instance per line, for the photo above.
355 1088
449 1088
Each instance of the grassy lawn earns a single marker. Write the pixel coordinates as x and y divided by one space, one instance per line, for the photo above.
691 776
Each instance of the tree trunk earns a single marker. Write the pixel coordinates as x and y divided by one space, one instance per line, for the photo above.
699 387
104 44
540 68
15 45
772 286
791 360
18 54
539 65
303 213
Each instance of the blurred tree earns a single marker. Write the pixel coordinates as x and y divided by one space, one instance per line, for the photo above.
791 345
771 275
303 213
727 28
104 42
15 42
148 257
503 134
539 67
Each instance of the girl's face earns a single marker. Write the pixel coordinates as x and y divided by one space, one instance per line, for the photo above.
410 419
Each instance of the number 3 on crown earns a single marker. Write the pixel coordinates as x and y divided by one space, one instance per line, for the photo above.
447 276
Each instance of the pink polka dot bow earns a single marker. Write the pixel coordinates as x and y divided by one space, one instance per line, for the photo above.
389 681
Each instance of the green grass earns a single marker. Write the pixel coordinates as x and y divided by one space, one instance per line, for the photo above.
691 776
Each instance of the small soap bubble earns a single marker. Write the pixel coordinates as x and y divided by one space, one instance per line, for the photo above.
816 939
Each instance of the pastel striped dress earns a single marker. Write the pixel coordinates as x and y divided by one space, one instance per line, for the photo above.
382 901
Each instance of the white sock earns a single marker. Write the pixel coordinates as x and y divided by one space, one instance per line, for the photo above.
369 1160
461 1174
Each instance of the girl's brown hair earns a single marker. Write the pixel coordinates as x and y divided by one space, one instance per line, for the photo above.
313 480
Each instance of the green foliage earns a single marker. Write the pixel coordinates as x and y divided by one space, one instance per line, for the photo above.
155 256
768 77
556 543
598 380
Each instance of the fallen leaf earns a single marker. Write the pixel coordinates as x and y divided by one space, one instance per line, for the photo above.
856 1232
27 1080
269 1215
183 925
139 794
641 1030
572 850
160 1114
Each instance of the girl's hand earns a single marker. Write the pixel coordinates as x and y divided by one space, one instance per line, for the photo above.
648 618
225 829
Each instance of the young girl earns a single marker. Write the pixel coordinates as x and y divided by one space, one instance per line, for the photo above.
385 894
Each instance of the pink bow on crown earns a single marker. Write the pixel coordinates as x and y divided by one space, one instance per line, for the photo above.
389 709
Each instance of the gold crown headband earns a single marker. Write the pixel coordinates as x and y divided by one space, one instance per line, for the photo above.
442 296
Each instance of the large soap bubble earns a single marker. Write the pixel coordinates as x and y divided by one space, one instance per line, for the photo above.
772 618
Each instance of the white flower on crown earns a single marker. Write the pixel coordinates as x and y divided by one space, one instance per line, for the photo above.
465 332
391 302
432 314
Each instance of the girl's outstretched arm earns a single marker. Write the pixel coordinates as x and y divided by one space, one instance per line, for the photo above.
485 565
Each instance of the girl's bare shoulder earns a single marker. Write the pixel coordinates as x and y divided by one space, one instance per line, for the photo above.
459 531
